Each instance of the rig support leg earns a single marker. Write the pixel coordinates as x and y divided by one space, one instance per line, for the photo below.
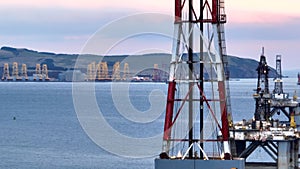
287 158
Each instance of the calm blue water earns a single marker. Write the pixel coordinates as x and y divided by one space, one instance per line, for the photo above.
47 134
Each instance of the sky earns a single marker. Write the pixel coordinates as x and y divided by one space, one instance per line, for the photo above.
65 26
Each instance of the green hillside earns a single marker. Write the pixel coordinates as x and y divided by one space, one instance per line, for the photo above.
58 63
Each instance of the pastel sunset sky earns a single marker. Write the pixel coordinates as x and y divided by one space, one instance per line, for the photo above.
64 26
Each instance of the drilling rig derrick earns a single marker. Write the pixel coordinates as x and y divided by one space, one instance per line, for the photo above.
262 96
267 104
278 86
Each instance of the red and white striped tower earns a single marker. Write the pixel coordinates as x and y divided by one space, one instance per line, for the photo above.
198 107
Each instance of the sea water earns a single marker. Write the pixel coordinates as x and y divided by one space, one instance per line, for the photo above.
39 126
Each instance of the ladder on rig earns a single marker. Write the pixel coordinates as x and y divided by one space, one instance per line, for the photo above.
222 44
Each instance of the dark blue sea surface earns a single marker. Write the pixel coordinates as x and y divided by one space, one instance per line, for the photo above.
39 127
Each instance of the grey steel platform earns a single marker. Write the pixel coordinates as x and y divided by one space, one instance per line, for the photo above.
199 164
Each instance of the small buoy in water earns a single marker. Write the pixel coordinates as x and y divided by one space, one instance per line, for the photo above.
14 118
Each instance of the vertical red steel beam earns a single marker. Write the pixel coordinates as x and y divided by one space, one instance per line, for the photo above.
177 11
214 14
224 118
169 110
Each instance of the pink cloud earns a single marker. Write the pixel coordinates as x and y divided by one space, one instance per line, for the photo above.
257 11
138 5
239 17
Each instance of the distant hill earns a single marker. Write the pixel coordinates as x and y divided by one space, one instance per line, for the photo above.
57 63
245 68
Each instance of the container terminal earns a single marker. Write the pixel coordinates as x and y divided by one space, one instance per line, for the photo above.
199 131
